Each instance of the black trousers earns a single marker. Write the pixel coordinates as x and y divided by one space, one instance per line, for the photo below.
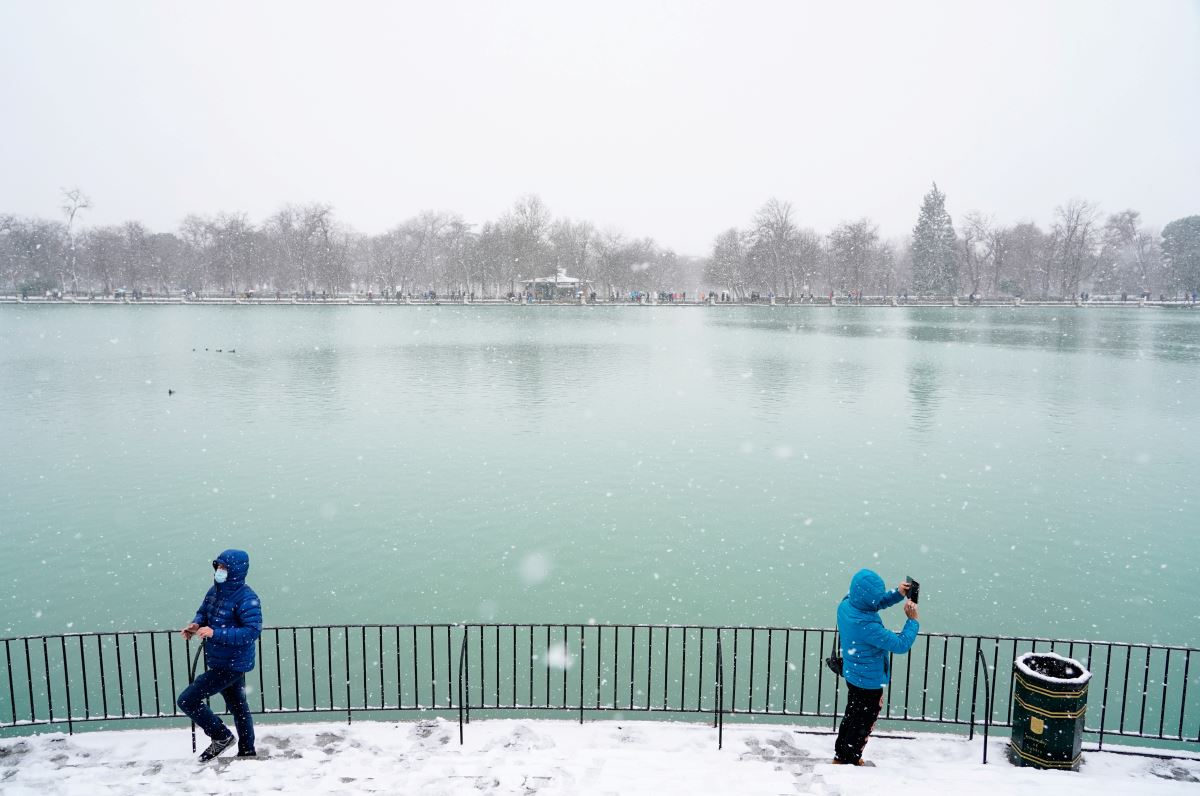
862 708
232 686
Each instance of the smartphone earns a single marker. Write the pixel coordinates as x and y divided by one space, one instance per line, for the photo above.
914 589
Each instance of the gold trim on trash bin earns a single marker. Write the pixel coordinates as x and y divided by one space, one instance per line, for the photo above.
1051 714
1043 761
1044 692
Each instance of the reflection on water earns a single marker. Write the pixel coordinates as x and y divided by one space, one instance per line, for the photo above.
776 379
666 464
923 393
1120 332
1175 339
309 375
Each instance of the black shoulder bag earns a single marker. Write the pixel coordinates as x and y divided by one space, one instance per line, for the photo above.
834 661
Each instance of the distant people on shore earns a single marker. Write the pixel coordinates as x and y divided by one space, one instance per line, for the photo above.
838 297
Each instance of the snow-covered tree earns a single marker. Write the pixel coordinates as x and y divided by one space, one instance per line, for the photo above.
726 266
74 201
858 260
1075 242
1130 259
934 250
1181 251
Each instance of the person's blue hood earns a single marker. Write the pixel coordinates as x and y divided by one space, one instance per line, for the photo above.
866 590
238 564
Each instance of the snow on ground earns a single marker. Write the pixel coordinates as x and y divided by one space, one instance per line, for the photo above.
552 757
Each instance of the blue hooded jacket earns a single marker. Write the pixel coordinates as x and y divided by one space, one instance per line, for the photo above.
865 642
232 610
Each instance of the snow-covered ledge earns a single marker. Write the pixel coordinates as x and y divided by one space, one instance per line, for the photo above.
551 757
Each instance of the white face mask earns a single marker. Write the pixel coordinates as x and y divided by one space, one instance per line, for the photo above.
220 575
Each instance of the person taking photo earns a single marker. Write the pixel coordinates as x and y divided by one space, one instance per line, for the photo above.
865 648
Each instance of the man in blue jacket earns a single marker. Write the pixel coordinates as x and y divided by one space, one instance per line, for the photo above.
229 621
865 647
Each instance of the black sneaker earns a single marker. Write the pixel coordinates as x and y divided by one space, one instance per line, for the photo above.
247 753
215 748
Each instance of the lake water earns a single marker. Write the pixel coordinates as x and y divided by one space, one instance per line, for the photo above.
1034 468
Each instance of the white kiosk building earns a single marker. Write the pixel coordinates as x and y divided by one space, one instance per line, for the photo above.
559 287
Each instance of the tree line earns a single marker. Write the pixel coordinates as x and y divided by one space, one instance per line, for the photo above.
1081 251
306 249
303 249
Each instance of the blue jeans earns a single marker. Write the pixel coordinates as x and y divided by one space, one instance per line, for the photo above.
232 686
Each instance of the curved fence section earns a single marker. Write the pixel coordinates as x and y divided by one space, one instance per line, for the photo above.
1141 693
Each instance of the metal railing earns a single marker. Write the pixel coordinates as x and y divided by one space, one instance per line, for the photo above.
1139 693
104 677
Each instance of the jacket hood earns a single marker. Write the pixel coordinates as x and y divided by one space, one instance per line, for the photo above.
238 564
866 590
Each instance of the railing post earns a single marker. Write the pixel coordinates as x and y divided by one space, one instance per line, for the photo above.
990 693
837 678
1187 661
987 696
346 638
1104 704
974 691
462 657
582 664
720 693
29 681
49 688
67 680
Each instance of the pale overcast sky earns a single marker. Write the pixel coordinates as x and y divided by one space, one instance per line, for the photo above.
670 119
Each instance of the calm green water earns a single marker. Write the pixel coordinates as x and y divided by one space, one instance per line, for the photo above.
1034 468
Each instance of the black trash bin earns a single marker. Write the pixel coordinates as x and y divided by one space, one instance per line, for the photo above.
1049 703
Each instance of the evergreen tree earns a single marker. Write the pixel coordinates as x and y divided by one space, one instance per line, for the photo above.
934 259
1181 251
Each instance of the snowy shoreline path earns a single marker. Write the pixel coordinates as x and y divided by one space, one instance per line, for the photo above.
551 757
